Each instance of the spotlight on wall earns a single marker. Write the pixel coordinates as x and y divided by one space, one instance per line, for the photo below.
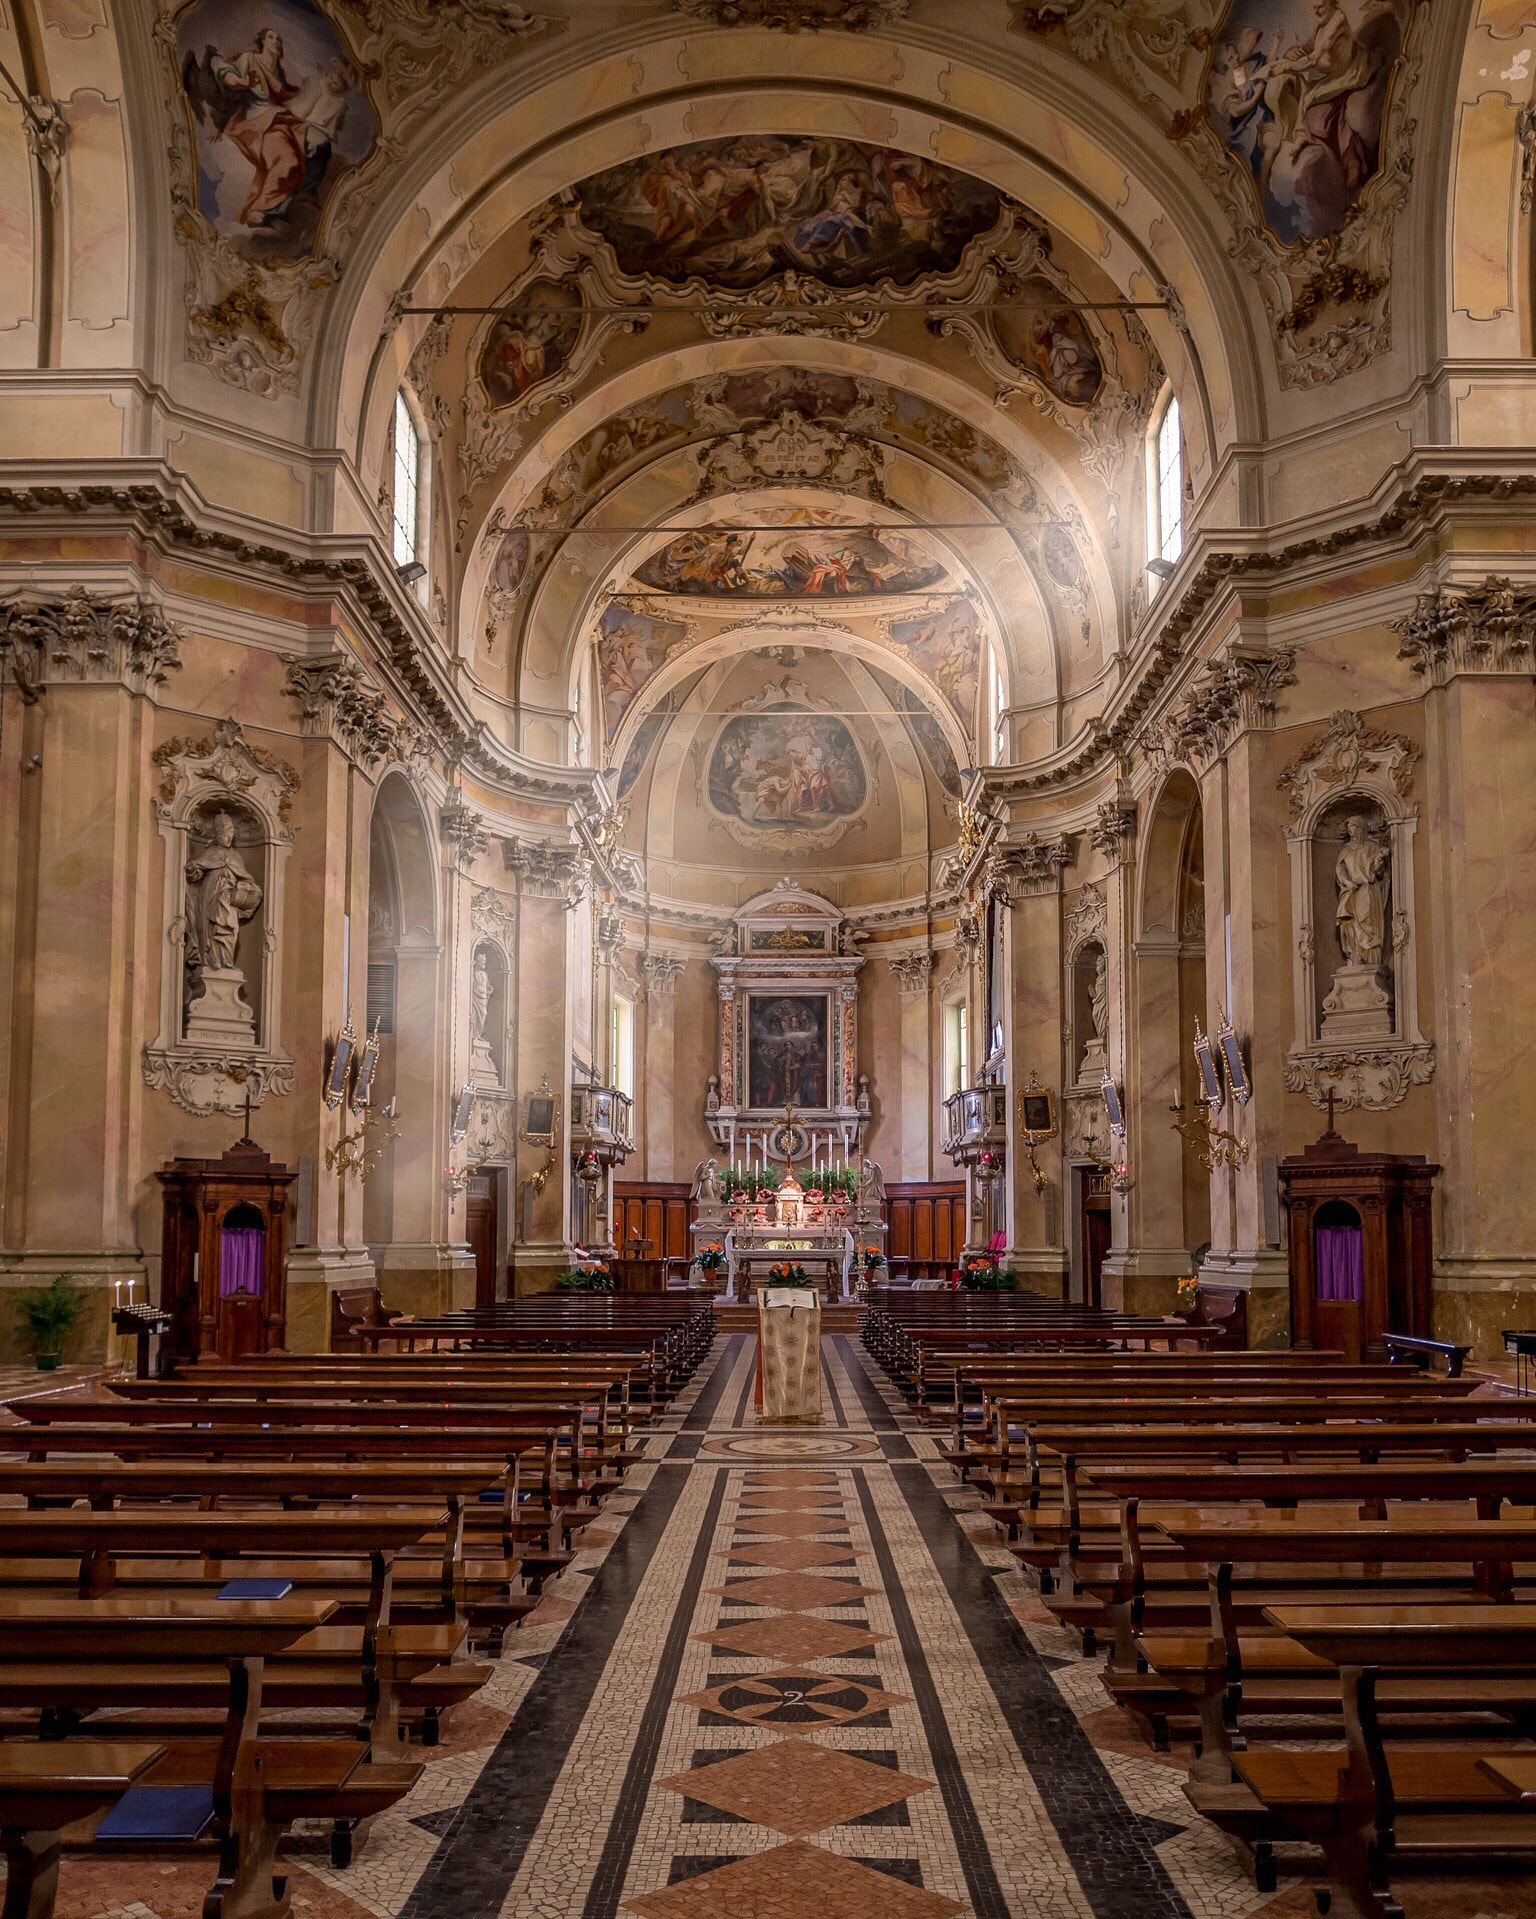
1160 569
411 572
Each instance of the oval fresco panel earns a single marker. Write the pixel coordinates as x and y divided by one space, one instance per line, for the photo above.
736 212
786 766
530 343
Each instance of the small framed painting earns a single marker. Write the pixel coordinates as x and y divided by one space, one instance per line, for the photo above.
461 1110
1210 1073
341 1065
1238 1082
541 1120
1037 1111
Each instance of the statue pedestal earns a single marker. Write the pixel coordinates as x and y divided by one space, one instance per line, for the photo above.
1358 1006
789 1356
219 1016
483 1069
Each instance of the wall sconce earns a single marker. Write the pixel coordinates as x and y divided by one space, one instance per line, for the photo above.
1214 1144
359 1152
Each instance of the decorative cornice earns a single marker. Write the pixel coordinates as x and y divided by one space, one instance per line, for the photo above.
1487 629
82 637
913 973
338 701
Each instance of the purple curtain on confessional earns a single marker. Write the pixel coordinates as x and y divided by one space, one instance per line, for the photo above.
1340 1262
242 1252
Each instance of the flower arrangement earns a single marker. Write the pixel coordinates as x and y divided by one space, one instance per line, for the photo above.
982 1274
787 1273
1187 1297
874 1259
709 1259
593 1277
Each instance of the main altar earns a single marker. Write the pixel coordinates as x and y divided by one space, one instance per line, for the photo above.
788 1092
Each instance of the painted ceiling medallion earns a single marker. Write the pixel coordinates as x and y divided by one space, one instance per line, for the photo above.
802 563
797 16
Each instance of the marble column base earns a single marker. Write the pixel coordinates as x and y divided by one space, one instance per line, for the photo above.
313 1274
425 1277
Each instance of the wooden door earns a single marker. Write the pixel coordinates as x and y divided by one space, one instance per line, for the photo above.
483 1230
1093 1186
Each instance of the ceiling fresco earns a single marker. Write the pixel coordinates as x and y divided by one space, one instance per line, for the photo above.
737 212
1297 92
808 564
279 114
785 766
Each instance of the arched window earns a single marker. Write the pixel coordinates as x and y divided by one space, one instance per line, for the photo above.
406 491
1166 487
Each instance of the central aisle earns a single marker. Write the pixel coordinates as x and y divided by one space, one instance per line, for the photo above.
794 1690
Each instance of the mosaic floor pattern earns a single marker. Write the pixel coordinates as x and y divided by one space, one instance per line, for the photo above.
790 1676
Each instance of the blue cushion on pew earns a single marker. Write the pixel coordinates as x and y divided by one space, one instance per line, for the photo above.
159 1812
255 1589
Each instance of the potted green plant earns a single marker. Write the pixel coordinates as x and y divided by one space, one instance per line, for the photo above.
595 1278
982 1274
47 1320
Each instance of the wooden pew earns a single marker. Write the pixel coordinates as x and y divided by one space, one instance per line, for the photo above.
45 1786
1378 1806
256 1785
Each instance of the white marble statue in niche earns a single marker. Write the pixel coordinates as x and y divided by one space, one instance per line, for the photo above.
484 1067
1090 979
222 896
1358 1004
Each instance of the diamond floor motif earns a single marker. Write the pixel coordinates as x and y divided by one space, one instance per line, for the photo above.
793 1555
793 1592
791 1636
796 1881
795 1788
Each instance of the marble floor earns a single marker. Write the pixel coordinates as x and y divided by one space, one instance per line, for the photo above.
792 1675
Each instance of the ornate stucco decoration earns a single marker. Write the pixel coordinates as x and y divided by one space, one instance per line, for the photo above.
1113 832
791 447
493 917
548 870
336 700
1087 918
914 972
1031 868
1327 294
797 16
464 830
252 306
659 973
1487 629
1350 839
1348 754
222 808
790 301
1235 694
83 637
